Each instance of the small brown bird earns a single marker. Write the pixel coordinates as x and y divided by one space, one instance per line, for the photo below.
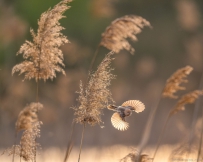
125 110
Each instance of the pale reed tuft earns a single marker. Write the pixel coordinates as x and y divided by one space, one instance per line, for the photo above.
28 145
28 142
115 36
173 83
96 95
188 98
28 116
135 157
43 58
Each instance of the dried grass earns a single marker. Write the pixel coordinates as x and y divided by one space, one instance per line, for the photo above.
188 98
96 95
43 58
173 83
115 36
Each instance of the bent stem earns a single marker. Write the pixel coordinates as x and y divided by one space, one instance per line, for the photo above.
161 135
83 131
70 143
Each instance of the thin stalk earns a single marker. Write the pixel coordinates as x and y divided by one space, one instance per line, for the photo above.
148 127
16 134
92 63
93 59
194 119
200 143
81 142
161 135
70 143
37 91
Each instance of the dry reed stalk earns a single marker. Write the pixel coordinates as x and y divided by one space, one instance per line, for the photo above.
185 99
115 36
171 87
173 83
43 58
95 96
70 143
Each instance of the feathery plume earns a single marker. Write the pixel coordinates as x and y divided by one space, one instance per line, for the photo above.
96 95
43 58
28 145
28 142
115 36
173 83
188 98
28 116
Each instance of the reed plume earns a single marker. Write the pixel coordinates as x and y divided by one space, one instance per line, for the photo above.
43 58
188 98
115 36
28 145
28 122
173 83
28 142
96 95
28 116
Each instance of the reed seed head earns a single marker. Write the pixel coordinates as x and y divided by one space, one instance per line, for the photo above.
173 83
115 36
43 58
188 98
96 95
28 142
28 116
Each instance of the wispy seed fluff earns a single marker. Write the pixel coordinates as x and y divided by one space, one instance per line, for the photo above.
43 58
95 96
115 36
173 83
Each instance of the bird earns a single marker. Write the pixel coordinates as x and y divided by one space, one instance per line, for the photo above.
118 118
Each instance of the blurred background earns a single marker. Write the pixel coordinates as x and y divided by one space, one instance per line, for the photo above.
175 41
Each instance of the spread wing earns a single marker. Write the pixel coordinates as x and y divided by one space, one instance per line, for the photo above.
118 122
137 105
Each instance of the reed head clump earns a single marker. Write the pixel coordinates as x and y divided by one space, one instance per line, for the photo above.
173 83
28 144
188 98
115 36
134 156
28 116
96 95
43 58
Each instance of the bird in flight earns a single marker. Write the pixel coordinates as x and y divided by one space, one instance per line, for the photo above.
123 111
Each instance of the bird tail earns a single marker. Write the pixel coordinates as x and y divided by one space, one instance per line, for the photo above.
112 107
